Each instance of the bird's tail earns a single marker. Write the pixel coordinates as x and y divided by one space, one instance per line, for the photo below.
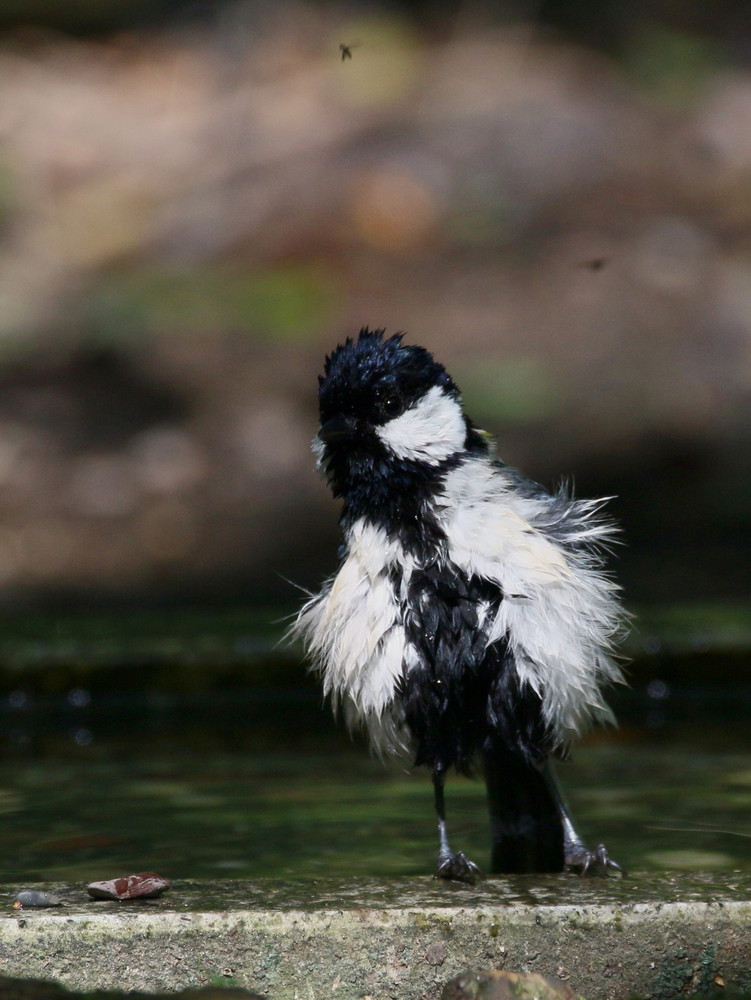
525 822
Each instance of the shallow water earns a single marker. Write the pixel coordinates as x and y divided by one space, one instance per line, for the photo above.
252 781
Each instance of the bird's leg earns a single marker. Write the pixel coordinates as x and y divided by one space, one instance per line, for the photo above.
454 866
577 856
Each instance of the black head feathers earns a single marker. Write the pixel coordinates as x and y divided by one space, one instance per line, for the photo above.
378 377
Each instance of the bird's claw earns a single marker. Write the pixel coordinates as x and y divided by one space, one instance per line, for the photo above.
582 861
457 867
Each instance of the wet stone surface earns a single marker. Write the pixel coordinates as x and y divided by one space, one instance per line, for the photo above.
637 889
660 936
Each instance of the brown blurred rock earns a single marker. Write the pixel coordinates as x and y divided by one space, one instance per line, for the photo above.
500 984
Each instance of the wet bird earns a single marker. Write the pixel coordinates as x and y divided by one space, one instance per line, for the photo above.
470 623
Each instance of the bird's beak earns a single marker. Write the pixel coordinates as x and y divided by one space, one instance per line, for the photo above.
338 428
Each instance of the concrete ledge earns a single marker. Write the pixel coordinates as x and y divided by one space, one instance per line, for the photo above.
650 935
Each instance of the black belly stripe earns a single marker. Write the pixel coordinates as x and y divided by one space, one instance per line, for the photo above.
462 696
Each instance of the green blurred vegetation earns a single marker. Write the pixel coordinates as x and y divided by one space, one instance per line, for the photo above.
670 65
174 650
290 302
517 390
189 648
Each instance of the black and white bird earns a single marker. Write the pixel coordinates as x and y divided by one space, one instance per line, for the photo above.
470 621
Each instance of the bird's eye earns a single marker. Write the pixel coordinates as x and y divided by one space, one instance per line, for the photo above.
392 405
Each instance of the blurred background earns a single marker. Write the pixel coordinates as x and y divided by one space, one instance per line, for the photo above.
199 200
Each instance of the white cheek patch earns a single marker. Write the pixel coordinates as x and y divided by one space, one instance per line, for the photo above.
430 431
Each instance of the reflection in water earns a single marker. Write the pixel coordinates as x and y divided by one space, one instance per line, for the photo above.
247 783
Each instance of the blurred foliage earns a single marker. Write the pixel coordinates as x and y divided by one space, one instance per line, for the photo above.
384 62
186 648
8 193
194 211
672 65
608 24
172 650
90 16
697 628
518 390
288 302
611 24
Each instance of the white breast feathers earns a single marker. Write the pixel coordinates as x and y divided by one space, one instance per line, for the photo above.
353 632
560 612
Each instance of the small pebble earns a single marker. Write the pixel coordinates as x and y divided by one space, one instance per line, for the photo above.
146 885
35 897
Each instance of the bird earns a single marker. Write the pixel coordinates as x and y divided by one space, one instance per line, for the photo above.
472 622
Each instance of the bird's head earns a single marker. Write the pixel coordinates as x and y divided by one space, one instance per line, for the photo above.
387 408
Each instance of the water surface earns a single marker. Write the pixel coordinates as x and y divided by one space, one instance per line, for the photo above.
115 763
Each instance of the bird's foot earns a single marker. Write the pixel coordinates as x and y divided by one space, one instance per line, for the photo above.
456 867
580 860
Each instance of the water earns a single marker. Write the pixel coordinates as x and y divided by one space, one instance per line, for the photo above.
114 761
